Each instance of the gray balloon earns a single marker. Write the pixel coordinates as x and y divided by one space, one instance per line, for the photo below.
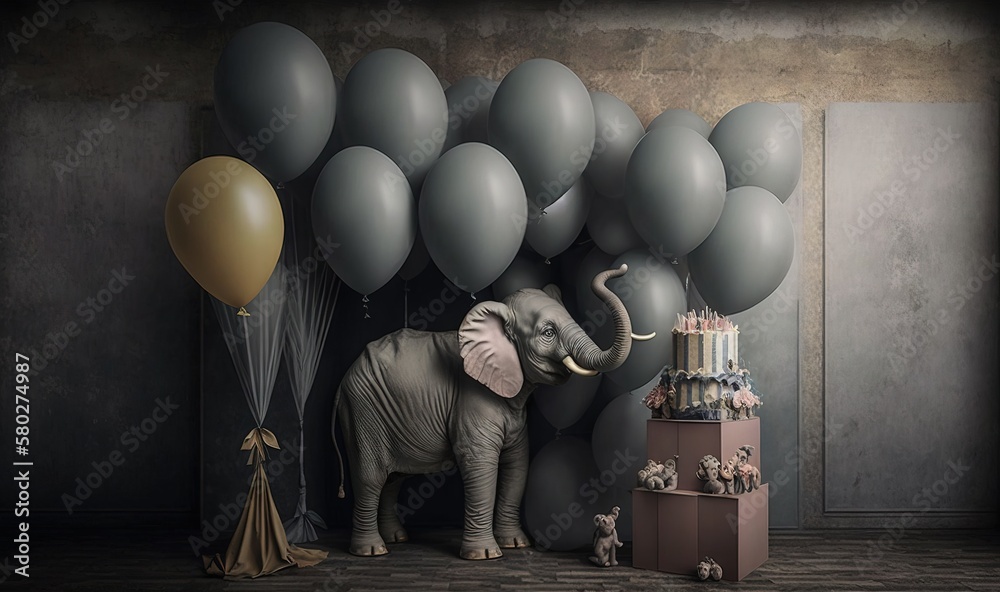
555 477
472 214
417 259
654 296
522 273
675 188
542 119
468 110
393 102
760 147
620 433
610 226
275 97
553 231
747 255
363 204
695 300
592 314
618 131
564 405
680 118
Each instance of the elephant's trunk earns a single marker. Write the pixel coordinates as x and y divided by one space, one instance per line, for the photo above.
584 353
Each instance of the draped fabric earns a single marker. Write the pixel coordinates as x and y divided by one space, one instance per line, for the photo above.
259 545
312 298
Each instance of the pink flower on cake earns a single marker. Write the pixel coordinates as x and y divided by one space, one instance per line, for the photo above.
656 397
745 399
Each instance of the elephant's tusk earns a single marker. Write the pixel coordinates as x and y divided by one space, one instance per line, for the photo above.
643 337
572 365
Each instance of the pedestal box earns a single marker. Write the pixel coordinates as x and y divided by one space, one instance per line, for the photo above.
673 530
732 530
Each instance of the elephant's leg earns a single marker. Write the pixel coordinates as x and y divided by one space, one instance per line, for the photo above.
389 526
479 473
510 489
368 477
365 538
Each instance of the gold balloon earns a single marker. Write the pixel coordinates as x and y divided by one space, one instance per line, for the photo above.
224 224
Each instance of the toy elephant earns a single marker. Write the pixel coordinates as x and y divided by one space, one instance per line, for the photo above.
729 475
655 476
709 569
606 539
708 471
748 476
416 401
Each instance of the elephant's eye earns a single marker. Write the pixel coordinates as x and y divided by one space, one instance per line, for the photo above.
548 333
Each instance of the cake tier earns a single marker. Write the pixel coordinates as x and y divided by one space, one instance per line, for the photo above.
709 397
706 352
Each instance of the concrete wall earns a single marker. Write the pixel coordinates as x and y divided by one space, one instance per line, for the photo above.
705 56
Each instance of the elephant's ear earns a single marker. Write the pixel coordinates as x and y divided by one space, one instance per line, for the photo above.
554 292
488 354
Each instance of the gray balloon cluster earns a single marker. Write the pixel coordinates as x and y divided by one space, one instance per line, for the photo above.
555 228
760 147
618 131
363 204
681 118
469 102
393 102
747 255
275 98
473 214
542 120
654 296
675 189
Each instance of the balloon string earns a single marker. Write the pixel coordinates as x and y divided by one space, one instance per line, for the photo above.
406 304
547 262
365 306
473 294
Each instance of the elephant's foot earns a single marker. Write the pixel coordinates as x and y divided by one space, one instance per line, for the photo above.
368 547
393 533
515 539
481 550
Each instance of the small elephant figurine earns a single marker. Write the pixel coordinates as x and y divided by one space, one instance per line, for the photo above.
650 476
655 476
749 475
709 569
606 539
670 473
708 471
728 474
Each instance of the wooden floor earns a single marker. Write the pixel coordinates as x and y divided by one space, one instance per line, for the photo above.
131 557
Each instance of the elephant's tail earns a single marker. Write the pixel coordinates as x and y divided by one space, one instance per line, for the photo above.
336 448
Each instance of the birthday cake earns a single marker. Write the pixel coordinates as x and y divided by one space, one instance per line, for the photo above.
705 381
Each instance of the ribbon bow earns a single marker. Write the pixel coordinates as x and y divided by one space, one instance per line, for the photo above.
256 441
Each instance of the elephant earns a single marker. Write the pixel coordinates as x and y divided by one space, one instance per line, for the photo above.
415 401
